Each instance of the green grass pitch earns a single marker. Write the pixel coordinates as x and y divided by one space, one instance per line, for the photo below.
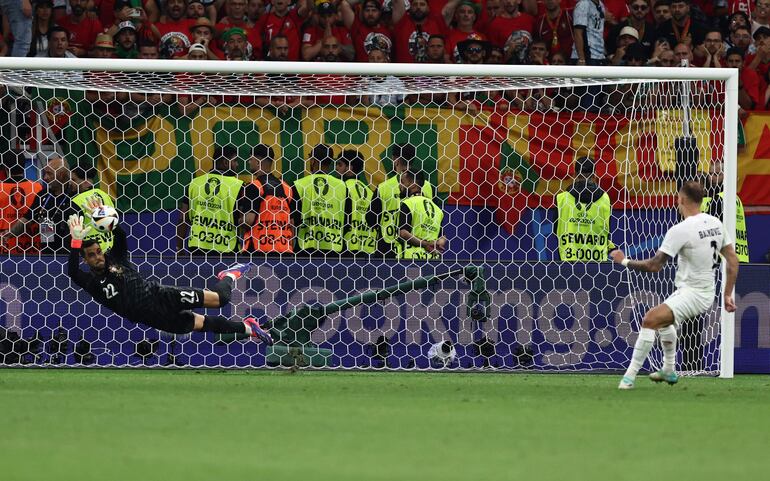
79 425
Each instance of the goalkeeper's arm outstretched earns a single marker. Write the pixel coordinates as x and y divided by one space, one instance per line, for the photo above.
113 282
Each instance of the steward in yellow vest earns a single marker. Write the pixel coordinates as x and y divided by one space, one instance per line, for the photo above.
713 204
215 206
81 183
386 205
583 224
359 237
420 218
321 214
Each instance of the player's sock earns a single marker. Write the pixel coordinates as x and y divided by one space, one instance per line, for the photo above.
668 341
225 289
222 325
641 349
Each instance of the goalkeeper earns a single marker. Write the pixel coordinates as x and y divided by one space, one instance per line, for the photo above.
114 283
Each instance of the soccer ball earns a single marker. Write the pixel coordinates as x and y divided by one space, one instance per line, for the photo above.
105 218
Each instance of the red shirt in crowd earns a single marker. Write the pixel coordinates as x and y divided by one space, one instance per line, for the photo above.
83 33
455 36
557 34
407 33
502 27
289 26
751 82
175 37
313 34
253 38
361 34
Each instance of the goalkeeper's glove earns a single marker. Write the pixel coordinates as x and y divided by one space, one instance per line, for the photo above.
77 231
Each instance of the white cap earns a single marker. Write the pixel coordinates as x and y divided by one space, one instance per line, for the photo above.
197 47
628 30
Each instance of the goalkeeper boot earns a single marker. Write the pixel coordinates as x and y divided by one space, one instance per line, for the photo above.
626 383
660 376
257 331
235 271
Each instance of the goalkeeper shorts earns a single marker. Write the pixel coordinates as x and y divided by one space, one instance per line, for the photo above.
687 303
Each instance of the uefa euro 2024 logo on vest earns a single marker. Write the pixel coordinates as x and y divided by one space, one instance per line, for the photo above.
321 186
212 187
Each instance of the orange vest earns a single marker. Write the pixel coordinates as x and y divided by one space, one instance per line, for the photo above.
272 230
15 199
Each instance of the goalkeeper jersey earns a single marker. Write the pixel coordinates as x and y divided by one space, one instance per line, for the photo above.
120 287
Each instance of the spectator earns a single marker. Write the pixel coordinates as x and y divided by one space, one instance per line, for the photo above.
197 51
217 205
584 210
436 50
272 231
666 58
321 212
236 17
149 51
58 43
103 46
420 221
555 28
126 41
367 29
740 38
661 44
18 13
359 237
123 11
748 80
413 30
174 30
760 61
196 10
204 33
281 20
496 56
683 55
738 19
661 13
558 58
711 53
279 49
50 209
492 10
255 11
461 16
760 16
683 28
42 21
588 33
627 36
235 44
537 53
473 50
505 30
389 83
639 10
82 28
316 35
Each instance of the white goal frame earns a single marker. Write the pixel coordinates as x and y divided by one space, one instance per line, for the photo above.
605 75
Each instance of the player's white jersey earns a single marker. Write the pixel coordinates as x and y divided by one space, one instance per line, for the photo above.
697 241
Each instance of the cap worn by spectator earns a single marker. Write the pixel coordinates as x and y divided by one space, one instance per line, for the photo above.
125 26
325 7
762 31
197 47
475 6
203 22
40 3
378 41
373 3
233 31
104 41
630 31
463 46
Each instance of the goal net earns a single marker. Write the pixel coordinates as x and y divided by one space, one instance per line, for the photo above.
475 155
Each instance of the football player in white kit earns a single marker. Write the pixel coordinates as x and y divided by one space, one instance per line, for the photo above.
698 240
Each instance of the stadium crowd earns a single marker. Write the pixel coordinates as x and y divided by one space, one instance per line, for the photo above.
692 33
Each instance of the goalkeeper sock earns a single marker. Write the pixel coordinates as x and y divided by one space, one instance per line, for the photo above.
642 348
222 325
668 341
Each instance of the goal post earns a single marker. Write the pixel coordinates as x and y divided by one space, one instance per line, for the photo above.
497 144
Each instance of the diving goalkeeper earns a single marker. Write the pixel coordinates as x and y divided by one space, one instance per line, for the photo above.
114 283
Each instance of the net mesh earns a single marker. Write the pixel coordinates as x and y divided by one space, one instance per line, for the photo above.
496 151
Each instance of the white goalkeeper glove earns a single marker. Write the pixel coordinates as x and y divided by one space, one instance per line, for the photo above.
77 231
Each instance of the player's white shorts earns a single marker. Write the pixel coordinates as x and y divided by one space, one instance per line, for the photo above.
687 303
